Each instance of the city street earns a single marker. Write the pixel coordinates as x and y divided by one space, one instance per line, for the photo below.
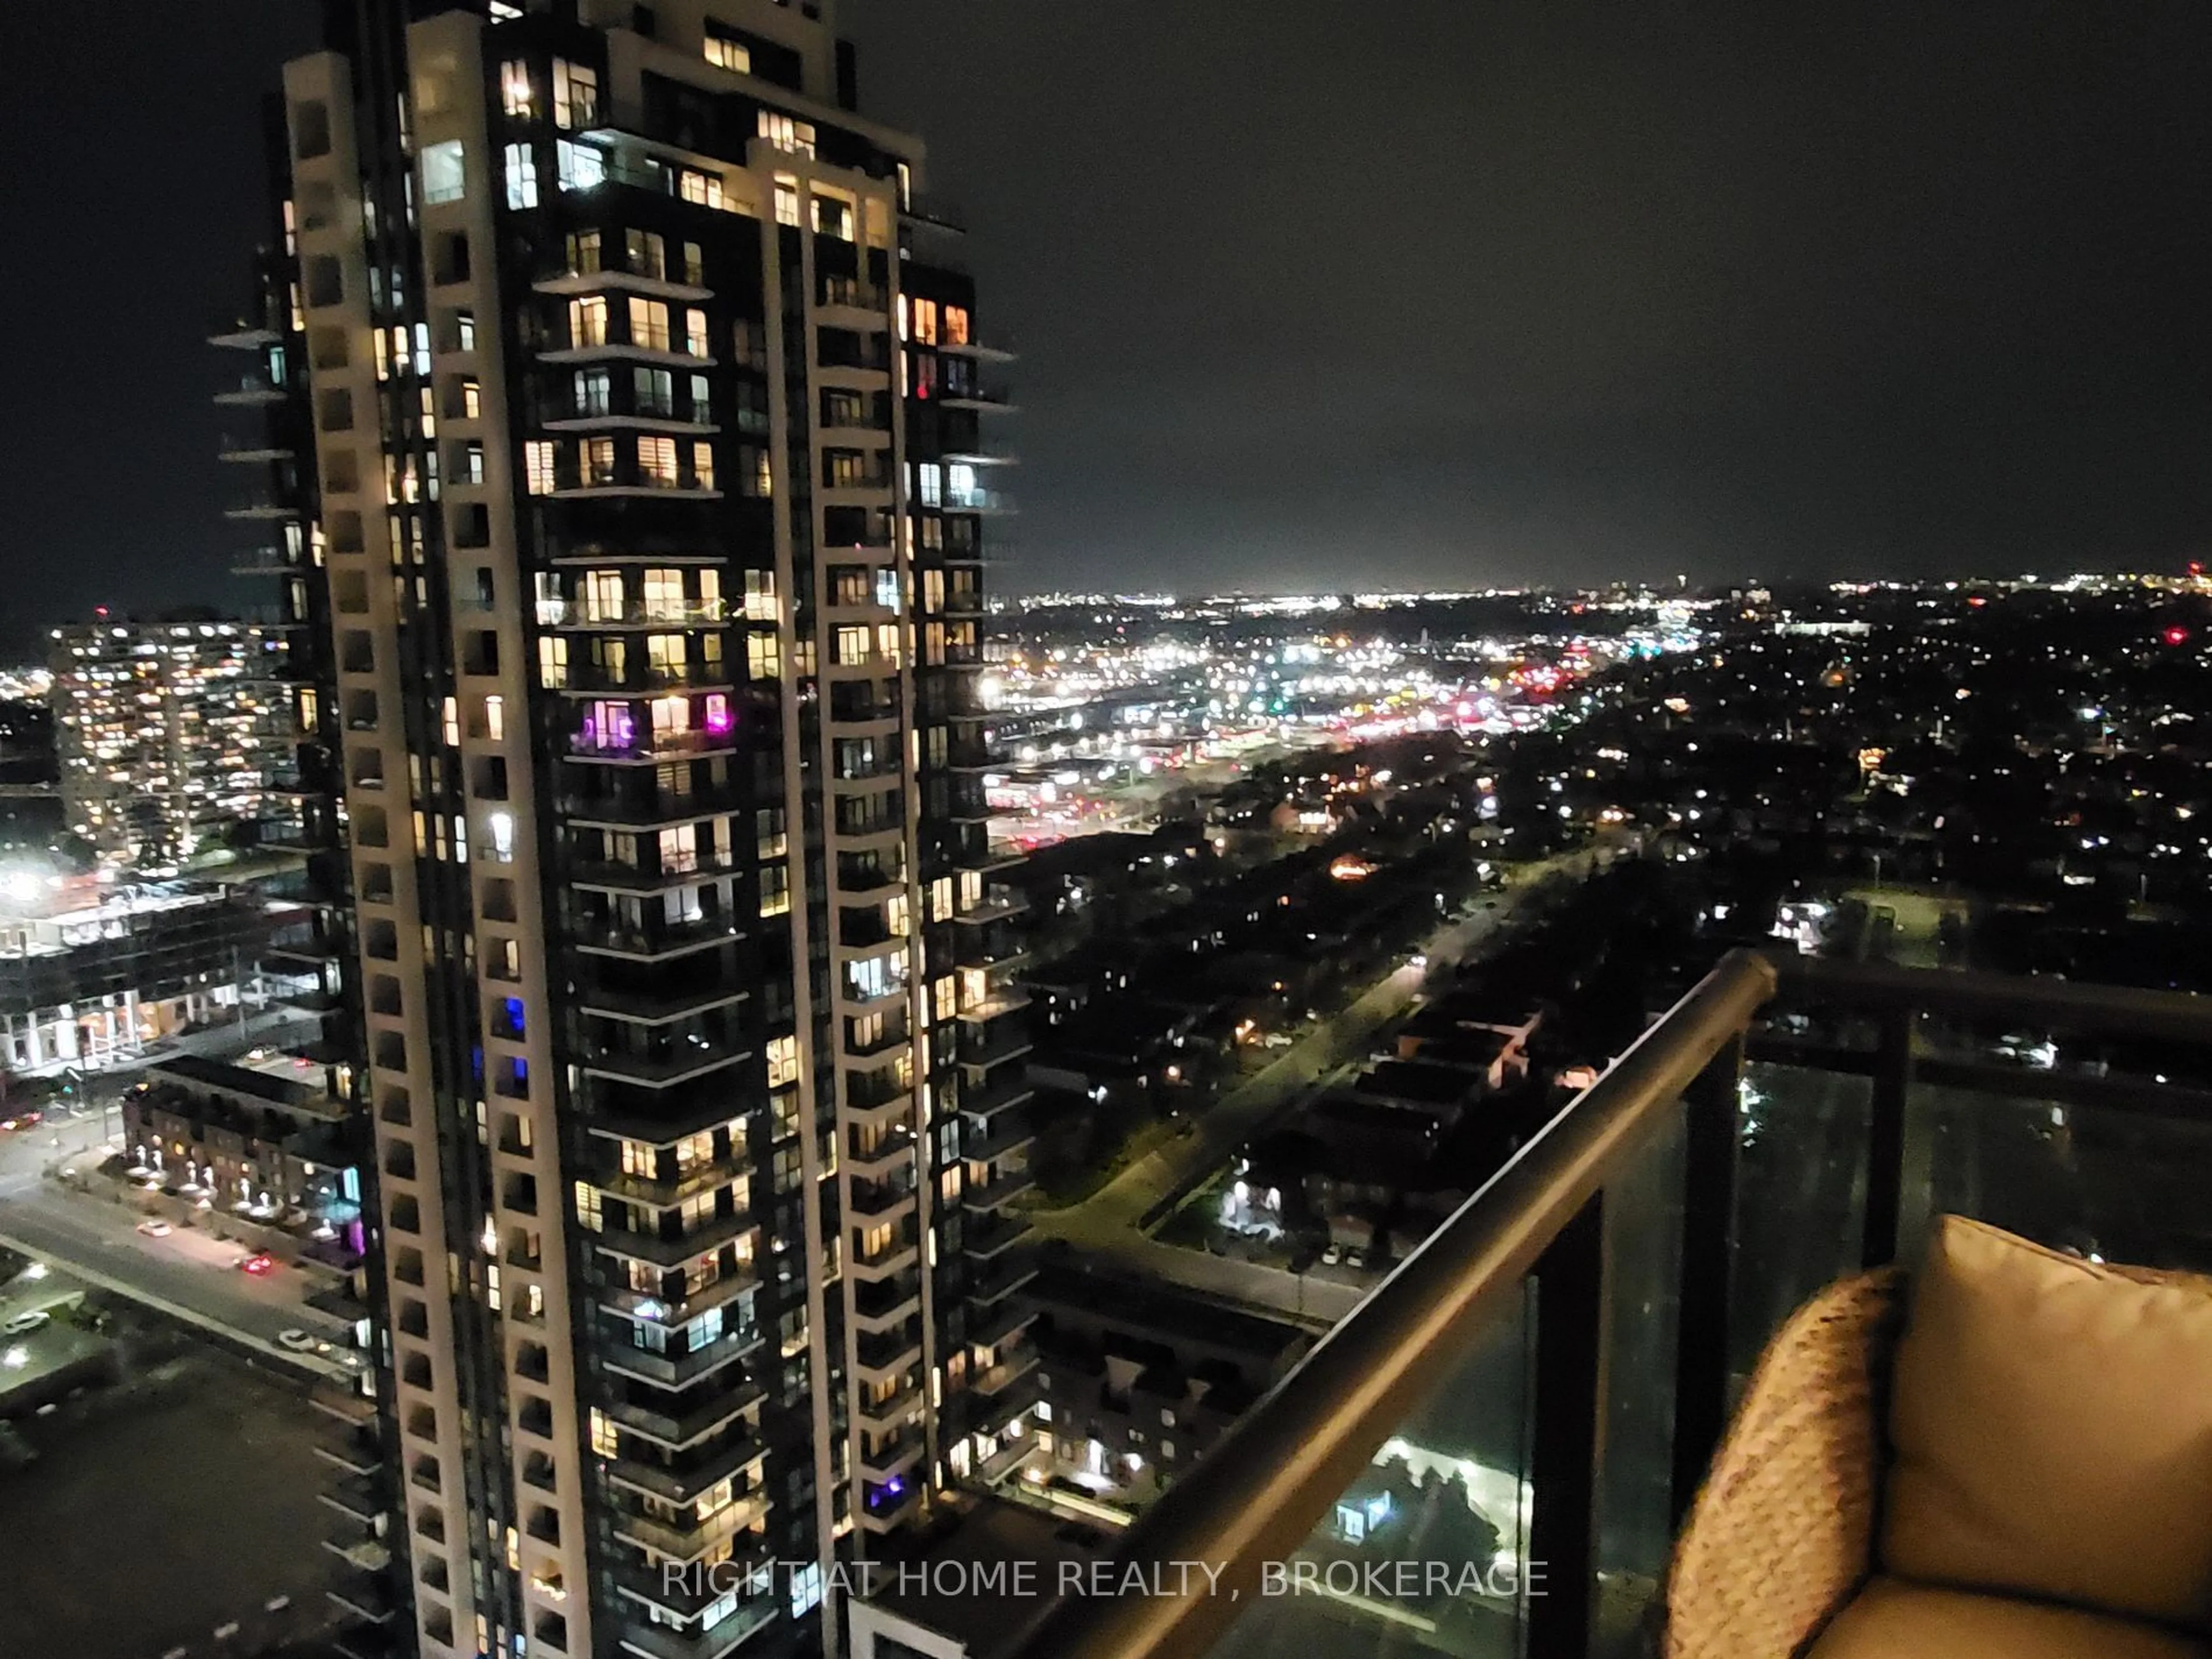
1111 1222
187 1275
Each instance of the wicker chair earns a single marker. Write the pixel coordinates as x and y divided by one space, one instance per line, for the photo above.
1783 1533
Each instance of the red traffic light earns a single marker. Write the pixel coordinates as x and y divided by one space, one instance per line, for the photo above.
2177 636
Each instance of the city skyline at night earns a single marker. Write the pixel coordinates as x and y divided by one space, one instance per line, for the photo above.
1562 297
974 829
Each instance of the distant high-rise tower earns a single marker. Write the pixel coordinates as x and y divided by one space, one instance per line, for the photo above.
173 736
645 489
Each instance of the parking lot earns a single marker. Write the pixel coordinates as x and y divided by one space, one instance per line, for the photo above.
160 1508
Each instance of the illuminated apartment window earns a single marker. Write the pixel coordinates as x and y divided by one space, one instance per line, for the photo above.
832 217
583 251
725 53
925 322
955 325
601 595
594 391
552 662
695 333
472 400
444 172
516 95
495 717
599 461
521 177
581 167
679 855
587 1208
702 465
760 596
465 331
575 95
672 716
664 592
656 461
775 889
648 323
763 657
537 465
785 133
787 206
782 1061
602 1433
701 189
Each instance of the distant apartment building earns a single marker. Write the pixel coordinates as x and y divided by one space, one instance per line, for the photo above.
624 425
173 736
1135 1381
250 1142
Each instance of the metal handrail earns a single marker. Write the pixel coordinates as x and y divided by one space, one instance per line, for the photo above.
2042 1001
1248 1501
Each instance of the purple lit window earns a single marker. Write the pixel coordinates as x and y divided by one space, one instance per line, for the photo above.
607 725
719 719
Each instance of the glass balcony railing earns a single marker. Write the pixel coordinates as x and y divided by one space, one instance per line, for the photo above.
1490 1454
642 613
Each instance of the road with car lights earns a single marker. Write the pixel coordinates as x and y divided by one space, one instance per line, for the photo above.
187 1275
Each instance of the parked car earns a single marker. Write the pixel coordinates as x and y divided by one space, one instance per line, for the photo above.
260 1263
153 1229
299 1341
24 1324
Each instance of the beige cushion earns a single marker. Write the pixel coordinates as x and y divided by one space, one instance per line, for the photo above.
2052 1423
1891 1619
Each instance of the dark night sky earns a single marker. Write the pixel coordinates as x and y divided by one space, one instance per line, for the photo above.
1319 294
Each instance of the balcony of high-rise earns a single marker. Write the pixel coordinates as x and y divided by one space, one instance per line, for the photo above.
1495 1452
